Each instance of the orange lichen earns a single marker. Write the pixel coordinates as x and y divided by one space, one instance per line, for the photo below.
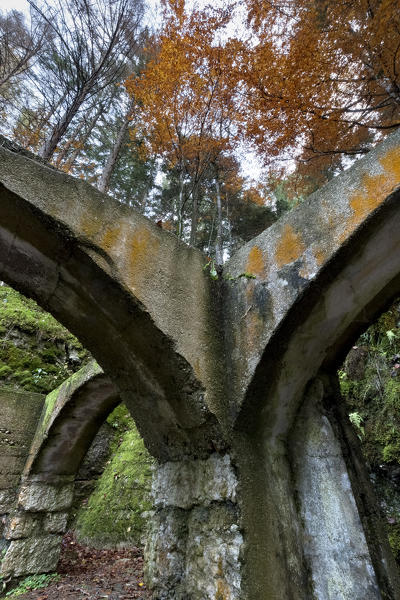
374 190
197 368
289 247
223 591
111 237
254 325
142 247
391 163
320 255
255 262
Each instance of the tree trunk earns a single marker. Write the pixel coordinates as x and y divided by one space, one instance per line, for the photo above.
70 162
195 217
180 206
59 129
219 258
105 178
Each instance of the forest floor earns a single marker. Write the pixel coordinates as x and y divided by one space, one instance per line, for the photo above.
91 574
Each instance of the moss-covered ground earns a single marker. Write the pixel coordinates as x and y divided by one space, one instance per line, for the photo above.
114 512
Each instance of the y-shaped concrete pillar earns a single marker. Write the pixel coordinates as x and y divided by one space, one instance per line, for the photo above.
254 472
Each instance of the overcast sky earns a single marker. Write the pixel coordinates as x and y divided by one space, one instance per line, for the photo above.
21 5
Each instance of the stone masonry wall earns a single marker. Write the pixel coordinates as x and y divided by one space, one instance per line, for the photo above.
33 531
19 415
194 546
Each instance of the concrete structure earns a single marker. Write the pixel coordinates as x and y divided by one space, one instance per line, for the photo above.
261 492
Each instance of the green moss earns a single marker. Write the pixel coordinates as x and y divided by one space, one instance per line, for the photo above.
33 346
26 315
394 540
113 514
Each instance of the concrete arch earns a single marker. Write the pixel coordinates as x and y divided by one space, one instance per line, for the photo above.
123 286
71 417
323 273
356 285
295 262
265 500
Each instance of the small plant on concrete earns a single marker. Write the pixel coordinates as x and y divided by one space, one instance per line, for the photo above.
357 421
34 582
210 265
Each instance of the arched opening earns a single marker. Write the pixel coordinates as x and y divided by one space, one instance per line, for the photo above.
57 262
357 284
63 426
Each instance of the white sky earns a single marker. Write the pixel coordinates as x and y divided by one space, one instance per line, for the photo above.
21 5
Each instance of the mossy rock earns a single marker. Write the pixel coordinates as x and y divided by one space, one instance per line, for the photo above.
373 401
114 512
34 347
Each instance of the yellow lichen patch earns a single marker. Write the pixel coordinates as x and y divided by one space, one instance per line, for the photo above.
367 199
88 225
320 255
143 246
255 262
374 189
223 591
391 163
289 247
254 325
110 238
197 368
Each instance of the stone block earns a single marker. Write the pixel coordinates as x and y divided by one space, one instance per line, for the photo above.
37 497
55 522
189 483
19 525
7 500
31 555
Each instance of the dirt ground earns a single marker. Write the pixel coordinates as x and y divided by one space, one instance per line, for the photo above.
91 574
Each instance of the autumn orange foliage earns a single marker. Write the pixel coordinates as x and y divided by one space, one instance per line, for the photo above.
314 79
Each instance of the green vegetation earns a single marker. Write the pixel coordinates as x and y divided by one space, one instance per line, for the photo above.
36 353
372 390
370 383
34 582
114 512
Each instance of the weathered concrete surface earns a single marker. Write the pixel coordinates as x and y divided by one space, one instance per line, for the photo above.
300 314
300 256
212 370
126 288
19 415
334 541
72 415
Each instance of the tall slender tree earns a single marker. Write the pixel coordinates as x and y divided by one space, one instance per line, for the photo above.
92 44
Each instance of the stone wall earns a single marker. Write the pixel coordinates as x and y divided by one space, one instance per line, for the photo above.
19 416
194 544
33 531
